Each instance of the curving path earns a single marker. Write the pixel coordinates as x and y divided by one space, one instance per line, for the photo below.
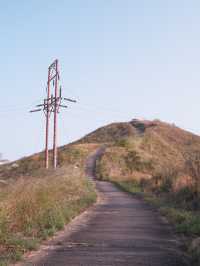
120 230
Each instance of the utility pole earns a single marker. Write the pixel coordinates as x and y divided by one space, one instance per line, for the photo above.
56 110
52 104
47 114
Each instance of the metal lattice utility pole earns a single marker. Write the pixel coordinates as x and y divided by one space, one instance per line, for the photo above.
52 104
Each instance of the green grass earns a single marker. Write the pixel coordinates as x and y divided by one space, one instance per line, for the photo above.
16 246
185 222
129 186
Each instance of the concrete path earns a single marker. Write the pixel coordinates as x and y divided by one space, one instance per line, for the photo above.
120 230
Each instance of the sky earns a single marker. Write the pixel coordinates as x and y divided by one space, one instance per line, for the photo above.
121 59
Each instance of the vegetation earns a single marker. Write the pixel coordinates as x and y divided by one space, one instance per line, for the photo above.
110 133
154 160
161 163
185 221
36 203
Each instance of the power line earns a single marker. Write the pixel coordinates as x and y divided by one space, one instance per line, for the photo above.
52 104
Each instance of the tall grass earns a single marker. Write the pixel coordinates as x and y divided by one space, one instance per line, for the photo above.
34 209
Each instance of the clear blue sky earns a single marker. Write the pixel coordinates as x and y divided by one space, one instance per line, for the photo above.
120 59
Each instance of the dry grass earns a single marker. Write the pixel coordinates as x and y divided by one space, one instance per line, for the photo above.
161 163
118 163
110 133
151 150
141 156
26 203
31 166
33 210
33 207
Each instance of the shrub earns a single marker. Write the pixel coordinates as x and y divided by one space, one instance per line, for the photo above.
193 169
133 161
163 179
124 143
101 170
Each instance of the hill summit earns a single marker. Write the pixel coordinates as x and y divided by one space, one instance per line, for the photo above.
143 149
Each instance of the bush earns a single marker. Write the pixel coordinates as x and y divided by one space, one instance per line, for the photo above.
101 170
133 161
193 169
163 179
166 185
124 143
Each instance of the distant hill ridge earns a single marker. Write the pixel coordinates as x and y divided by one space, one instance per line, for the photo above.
135 127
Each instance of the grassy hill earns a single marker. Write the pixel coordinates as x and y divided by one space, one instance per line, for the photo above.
151 158
145 149
160 163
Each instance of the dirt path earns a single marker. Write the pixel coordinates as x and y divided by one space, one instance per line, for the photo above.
119 230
